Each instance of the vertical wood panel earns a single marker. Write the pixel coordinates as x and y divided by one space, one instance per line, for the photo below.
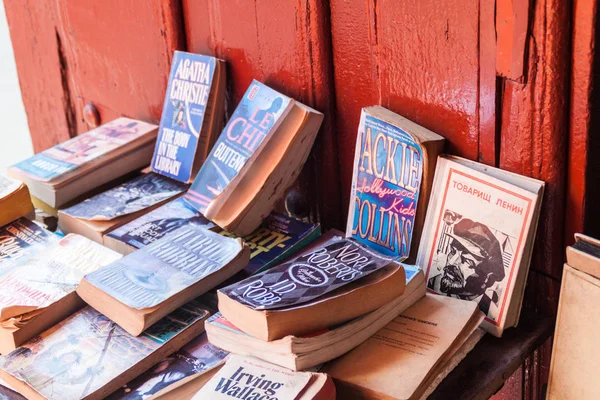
419 59
287 46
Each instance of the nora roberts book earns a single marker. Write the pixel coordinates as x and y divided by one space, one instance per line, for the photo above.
328 285
478 237
192 115
72 168
148 284
15 201
250 378
37 290
87 356
104 212
394 164
257 157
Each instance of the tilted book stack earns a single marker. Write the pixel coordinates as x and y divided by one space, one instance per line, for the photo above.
478 237
87 356
105 212
37 289
14 201
192 115
148 284
257 157
302 352
70 169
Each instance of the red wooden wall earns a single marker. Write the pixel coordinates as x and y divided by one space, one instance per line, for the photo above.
508 83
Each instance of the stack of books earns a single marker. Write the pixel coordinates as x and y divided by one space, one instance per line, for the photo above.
165 290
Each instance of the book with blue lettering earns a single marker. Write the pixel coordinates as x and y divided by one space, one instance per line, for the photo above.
154 225
192 115
257 157
393 172
106 211
147 284
336 281
72 168
87 356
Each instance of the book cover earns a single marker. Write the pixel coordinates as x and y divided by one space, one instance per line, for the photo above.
157 223
68 156
43 277
250 378
183 114
307 277
258 113
137 194
477 229
20 239
388 169
277 238
87 351
194 358
151 275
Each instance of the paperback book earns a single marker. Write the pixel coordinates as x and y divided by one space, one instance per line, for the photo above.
478 237
87 356
72 168
100 214
154 225
179 368
191 117
146 285
250 378
337 281
393 170
20 239
257 157
14 201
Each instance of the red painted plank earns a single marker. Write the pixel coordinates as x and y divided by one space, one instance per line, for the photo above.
285 45
419 59
488 135
512 20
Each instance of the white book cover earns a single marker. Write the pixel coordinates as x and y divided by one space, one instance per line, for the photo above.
477 243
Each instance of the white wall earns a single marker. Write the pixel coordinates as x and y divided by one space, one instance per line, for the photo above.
15 142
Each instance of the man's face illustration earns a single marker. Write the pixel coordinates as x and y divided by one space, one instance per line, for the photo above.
462 273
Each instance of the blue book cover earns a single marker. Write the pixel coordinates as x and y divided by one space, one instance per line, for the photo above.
151 275
157 223
259 111
84 353
132 196
183 115
385 189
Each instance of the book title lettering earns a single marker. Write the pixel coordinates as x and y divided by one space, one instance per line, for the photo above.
247 386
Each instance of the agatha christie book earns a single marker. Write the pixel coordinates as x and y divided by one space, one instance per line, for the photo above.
478 237
257 156
154 225
15 201
337 281
192 112
147 284
393 169
19 239
39 290
178 368
72 168
250 378
87 356
100 214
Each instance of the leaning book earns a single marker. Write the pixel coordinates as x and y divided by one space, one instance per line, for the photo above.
478 237
87 356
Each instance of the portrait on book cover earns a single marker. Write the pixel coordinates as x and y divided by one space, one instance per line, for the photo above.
471 262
